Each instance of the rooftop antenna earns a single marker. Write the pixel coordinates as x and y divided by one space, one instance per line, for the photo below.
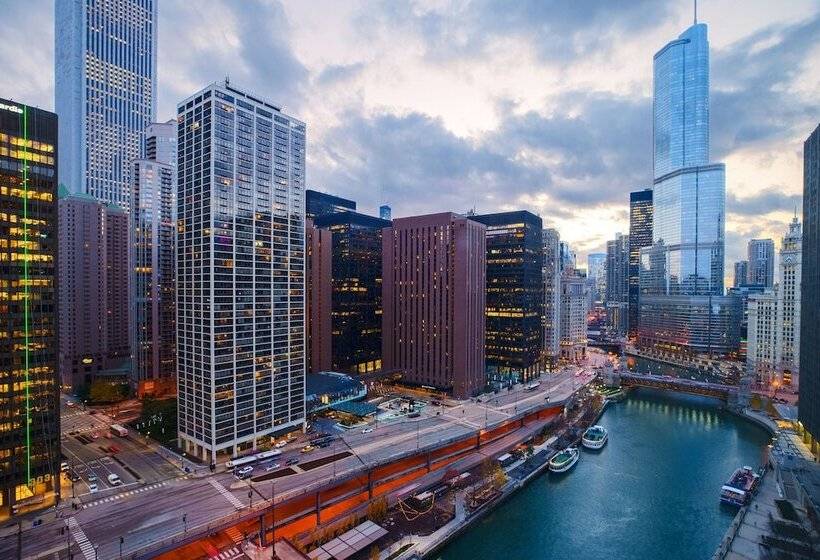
696 12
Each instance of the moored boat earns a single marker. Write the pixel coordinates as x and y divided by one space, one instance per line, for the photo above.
595 437
739 488
564 460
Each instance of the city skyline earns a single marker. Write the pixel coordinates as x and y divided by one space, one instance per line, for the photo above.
519 131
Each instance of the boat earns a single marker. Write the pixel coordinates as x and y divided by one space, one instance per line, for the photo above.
739 488
564 460
595 437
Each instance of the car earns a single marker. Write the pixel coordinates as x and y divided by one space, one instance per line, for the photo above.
244 472
292 461
93 488
281 444
64 466
92 478
69 404
308 448
367 431
272 467
114 480
73 476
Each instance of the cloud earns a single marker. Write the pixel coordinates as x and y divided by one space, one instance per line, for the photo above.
764 202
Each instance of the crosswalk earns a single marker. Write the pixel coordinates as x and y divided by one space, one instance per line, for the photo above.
235 535
230 554
123 495
79 537
228 496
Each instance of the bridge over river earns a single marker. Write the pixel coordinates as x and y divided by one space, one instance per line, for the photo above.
680 385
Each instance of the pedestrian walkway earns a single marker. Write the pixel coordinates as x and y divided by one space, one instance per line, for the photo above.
230 554
226 493
235 535
123 495
79 537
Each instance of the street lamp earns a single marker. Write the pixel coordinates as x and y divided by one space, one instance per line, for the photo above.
185 522
122 540
182 461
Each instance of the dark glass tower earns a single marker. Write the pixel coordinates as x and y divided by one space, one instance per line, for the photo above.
29 389
515 292
320 204
809 410
356 284
640 236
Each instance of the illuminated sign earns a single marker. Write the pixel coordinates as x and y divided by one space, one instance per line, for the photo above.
88 360
12 108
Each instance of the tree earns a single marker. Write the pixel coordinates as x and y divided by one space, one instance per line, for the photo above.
374 553
104 392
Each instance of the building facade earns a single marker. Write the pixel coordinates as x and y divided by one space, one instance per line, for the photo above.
640 236
515 293
356 285
385 213
617 285
434 300
93 268
809 410
240 271
318 296
741 274
788 319
681 276
105 92
152 262
596 274
551 245
760 269
320 204
762 341
573 315
29 344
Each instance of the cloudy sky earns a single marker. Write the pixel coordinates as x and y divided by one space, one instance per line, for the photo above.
435 105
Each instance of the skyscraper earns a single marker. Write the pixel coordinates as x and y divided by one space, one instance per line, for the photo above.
788 318
93 267
320 204
318 296
760 269
551 245
385 213
240 271
809 410
617 285
596 274
29 403
434 295
573 315
741 274
356 284
152 262
515 292
640 236
105 67
681 275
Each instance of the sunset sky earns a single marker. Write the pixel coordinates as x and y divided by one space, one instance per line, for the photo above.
434 105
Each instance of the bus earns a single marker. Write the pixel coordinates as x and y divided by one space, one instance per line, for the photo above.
119 430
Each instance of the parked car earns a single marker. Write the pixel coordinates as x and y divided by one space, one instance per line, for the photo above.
114 480
281 444
93 488
367 430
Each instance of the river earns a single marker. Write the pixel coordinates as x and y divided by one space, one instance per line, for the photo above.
651 492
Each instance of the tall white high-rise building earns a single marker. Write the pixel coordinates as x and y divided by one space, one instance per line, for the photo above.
552 292
240 271
773 344
152 260
105 70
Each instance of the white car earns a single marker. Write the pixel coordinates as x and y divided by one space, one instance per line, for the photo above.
367 430
244 472
281 444
272 467
92 488
114 480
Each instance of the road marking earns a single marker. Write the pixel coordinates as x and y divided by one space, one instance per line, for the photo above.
228 496
124 495
235 535
79 537
230 554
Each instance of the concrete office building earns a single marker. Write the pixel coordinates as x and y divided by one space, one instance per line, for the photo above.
640 236
240 272
93 265
152 262
573 315
434 300
760 270
29 399
105 69
551 245
515 293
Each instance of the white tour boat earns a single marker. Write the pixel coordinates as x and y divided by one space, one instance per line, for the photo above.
595 437
564 461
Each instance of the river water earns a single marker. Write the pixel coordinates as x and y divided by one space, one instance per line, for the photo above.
650 493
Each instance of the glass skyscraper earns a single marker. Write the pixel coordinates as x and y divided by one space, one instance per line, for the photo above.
240 271
105 92
640 236
689 193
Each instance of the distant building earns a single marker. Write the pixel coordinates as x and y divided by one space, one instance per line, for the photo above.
640 236
240 237
515 293
596 274
761 262
153 262
789 305
29 280
552 293
567 256
321 204
93 265
741 273
762 343
105 91
809 410
617 285
356 284
385 213
434 299
318 296
743 292
573 326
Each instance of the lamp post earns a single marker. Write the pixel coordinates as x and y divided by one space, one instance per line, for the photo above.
182 461
122 540
96 548
185 522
